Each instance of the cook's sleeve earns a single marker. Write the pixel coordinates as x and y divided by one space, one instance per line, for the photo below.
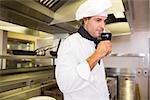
71 74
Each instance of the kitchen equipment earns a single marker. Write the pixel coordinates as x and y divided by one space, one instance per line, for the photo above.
127 88
54 53
23 52
127 80
42 50
112 88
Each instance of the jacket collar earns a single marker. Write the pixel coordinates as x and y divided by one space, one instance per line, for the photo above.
86 35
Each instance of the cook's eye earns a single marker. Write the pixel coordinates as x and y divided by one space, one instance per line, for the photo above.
105 21
98 20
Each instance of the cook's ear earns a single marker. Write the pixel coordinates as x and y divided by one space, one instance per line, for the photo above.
84 20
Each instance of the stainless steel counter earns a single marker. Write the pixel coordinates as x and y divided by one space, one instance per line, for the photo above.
25 85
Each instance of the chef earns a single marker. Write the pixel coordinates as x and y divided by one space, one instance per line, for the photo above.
80 72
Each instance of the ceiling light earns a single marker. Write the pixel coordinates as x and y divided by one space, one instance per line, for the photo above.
119 15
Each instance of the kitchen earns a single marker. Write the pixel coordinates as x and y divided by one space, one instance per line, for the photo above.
129 60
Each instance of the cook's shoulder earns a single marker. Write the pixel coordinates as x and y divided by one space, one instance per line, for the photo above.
70 42
72 38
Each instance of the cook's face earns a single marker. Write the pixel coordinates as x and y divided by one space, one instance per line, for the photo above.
95 25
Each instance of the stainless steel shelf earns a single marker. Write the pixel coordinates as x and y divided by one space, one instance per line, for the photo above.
9 82
25 70
24 57
127 55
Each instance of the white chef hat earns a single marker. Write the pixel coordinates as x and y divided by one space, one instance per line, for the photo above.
92 8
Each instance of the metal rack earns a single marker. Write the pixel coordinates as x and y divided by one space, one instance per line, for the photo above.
27 81
127 55
24 57
18 60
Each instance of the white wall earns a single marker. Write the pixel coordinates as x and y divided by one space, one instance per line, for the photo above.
137 42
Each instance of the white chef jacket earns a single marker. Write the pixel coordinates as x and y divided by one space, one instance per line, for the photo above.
73 74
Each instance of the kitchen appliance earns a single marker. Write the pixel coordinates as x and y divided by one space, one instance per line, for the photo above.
54 53
132 84
112 88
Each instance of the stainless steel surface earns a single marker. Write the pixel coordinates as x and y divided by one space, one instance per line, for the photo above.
112 88
23 83
149 84
127 88
23 57
26 92
136 11
130 82
52 4
28 13
127 55
26 77
19 61
149 69
16 83
120 72
52 15
23 70
17 44
19 85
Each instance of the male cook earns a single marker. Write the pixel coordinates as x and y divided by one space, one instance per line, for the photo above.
80 71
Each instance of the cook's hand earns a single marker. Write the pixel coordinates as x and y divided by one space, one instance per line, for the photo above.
104 48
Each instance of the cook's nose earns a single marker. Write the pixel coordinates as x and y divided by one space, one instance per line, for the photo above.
102 25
